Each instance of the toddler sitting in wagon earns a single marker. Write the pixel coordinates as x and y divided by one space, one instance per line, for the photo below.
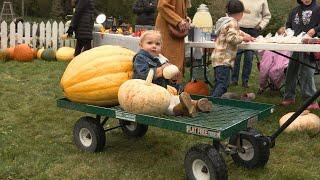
149 57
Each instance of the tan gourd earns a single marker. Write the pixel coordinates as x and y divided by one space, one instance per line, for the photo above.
306 121
170 71
65 54
94 76
143 97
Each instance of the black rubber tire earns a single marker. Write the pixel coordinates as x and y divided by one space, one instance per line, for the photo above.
215 166
96 134
261 150
138 130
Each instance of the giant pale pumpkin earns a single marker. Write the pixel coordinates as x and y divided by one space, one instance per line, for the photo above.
143 97
306 121
23 53
65 54
94 76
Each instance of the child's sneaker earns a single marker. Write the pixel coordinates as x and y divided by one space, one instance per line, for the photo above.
186 101
204 105
313 106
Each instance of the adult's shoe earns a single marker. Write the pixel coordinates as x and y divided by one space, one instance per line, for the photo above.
287 102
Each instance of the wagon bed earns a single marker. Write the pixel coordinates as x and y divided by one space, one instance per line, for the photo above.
227 117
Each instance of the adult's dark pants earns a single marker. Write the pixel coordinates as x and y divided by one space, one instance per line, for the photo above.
247 61
82 45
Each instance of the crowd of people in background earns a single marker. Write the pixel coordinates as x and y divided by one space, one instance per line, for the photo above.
244 21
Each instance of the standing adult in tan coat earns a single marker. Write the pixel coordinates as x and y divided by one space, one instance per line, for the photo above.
173 12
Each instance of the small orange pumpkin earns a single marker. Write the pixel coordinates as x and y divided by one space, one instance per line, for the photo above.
35 51
197 87
10 52
23 53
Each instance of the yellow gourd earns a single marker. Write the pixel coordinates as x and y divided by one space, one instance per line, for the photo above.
65 54
143 97
39 53
306 121
94 76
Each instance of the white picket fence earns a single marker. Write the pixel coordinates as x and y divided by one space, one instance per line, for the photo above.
36 34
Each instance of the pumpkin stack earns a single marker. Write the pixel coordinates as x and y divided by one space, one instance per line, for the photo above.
94 76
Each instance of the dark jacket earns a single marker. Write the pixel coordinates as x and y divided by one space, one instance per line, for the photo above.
83 19
145 10
142 63
310 16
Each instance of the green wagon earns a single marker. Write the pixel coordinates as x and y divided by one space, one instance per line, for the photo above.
231 119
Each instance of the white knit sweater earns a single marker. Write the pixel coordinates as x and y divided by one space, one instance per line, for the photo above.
259 14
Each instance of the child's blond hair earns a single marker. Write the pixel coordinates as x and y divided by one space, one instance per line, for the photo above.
149 32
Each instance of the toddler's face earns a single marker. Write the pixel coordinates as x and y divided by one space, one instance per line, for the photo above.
306 2
152 44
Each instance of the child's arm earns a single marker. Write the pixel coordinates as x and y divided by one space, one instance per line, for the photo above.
234 36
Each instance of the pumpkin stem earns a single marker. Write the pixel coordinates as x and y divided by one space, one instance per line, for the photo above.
150 77
305 112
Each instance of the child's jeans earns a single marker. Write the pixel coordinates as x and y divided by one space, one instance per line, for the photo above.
222 78
303 73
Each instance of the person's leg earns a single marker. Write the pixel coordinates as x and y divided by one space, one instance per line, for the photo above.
247 66
291 78
222 75
79 46
308 87
86 45
248 58
306 80
236 68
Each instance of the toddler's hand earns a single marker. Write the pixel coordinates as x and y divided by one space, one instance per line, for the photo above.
248 38
160 69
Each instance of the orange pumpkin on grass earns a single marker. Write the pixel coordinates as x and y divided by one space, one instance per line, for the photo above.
10 52
23 53
197 87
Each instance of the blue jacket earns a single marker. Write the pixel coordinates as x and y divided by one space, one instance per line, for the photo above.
310 17
142 63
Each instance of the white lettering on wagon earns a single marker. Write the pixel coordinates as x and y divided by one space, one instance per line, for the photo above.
125 116
202 132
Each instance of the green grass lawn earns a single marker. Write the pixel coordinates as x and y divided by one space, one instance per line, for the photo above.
36 137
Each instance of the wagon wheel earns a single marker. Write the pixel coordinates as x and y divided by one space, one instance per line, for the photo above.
203 161
89 135
133 129
254 151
